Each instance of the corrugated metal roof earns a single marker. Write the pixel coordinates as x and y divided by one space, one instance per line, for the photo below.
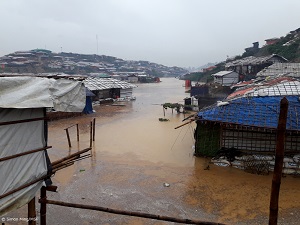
251 60
291 69
282 89
280 86
222 73
94 83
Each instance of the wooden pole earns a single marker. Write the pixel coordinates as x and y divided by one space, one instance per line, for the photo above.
94 128
68 136
91 134
77 132
276 181
184 124
31 212
128 213
24 153
23 186
43 206
70 156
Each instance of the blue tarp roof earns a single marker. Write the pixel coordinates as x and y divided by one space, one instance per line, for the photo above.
254 111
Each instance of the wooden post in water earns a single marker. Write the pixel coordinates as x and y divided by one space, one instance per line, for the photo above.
94 128
276 181
68 137
91 134
77 132
43 207
31 212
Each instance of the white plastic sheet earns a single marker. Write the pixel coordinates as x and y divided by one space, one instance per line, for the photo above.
36 92
15 139
23 98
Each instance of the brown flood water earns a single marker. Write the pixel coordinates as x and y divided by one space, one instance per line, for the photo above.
134 155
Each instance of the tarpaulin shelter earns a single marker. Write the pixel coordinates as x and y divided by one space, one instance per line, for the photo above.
24 162
248 120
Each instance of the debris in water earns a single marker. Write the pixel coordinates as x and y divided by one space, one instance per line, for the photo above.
166 185
163 119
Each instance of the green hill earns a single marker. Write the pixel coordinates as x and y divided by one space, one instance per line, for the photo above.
287 46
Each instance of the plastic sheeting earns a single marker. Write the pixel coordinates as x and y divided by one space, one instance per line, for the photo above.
36 92
19 138
255 111
23 98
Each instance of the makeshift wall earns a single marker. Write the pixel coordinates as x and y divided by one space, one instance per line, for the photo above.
207 139
17 138
127 92
24 162
255 140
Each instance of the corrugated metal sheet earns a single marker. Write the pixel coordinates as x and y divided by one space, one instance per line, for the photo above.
223 73
95 84
283 89
251 60
280 86
291 69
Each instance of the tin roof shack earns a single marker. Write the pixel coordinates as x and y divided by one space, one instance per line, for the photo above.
133 78
105 88
226 78
207 94
24 163
242 131
248 67
280 69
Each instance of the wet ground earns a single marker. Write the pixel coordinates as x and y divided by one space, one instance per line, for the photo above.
134 154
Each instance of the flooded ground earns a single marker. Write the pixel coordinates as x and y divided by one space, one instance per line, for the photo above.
134 154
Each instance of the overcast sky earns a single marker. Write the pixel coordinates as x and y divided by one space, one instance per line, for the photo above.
170 32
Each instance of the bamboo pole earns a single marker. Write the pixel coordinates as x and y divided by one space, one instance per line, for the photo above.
43 207
94 128
276 181
24 186
31 212
45 176
184 124
70 156
68 163
77 128
68 137
71 126
22 121
128 213
24 153
91 134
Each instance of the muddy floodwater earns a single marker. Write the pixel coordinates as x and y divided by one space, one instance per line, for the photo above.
134 155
